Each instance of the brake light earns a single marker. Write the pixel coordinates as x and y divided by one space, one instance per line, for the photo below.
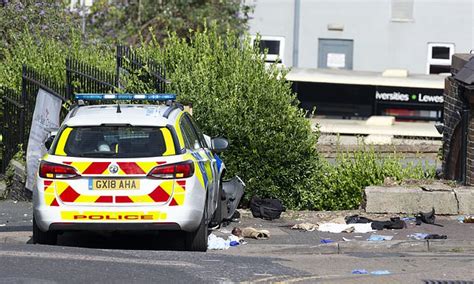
179 170
56 171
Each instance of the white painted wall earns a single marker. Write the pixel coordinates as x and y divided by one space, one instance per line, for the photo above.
379 43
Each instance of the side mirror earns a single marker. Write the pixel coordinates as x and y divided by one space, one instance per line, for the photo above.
49 140
219 144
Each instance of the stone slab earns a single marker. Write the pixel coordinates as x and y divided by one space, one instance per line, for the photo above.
465 196
409 200
380 120
451 246
383 246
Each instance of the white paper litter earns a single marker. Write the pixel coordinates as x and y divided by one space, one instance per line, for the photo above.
339 228
216 243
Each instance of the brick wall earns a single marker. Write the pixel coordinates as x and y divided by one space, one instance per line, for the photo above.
452 127
470 150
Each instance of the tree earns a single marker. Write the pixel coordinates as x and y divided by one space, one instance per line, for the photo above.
134 20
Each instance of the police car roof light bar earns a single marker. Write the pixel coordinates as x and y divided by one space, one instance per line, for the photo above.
146 97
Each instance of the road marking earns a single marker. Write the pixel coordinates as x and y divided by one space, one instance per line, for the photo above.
69 256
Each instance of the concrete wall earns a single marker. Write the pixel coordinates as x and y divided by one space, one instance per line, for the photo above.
379 42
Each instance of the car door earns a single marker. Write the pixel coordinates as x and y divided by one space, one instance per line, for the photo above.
206 149
205 164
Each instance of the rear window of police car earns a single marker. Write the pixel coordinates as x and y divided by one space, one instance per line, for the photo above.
114 141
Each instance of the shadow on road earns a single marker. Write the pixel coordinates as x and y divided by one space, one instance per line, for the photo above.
131 240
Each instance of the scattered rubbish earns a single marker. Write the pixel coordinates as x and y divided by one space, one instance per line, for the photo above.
339 228
326 241
347 240
394 223
436 237
349 230
358 236
380 272
216 243
408 219
427 218
422 236
266 208
3 225
466 219
380 238
360 271
25 215
15 202
305 227
418 236
236 231
253 233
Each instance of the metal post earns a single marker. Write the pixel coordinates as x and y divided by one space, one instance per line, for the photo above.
83 9
23 101
296 32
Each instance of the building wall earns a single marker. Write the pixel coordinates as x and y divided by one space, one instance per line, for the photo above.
379 42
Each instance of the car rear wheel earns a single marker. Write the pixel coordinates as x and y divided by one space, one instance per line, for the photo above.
197 240
44 238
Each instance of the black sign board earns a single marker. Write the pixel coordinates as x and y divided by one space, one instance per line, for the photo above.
409 95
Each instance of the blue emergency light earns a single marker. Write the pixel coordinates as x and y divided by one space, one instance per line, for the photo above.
146 97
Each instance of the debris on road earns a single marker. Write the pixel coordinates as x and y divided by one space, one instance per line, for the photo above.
216 243
339 228
305 227
466 219
326 241
380 272
423 236
253 233
393 223
427 218
380 238
376 272
360 271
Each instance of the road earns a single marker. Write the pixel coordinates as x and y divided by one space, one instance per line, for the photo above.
288 256
25 263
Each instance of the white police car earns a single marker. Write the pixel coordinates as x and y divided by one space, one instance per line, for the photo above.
132 167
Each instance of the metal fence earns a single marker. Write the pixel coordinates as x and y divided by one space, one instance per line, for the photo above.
84 78
149 72
11 125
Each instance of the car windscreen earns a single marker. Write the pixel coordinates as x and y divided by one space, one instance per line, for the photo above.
114 141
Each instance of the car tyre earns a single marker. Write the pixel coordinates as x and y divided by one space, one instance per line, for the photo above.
197 240
44 238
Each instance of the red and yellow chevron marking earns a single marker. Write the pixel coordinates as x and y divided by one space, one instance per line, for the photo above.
102 168
162 193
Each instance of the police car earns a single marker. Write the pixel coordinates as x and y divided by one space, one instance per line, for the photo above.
122 167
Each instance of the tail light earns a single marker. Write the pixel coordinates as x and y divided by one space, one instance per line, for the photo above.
179 170
50 170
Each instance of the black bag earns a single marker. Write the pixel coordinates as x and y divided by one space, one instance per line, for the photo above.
266 208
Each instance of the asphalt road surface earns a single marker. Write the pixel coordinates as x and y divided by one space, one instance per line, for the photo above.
148 258
110 261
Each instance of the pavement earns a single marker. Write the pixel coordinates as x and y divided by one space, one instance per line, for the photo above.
15 228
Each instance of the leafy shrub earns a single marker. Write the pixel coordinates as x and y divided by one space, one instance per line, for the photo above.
341 184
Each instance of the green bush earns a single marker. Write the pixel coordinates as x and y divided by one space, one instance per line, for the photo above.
341 184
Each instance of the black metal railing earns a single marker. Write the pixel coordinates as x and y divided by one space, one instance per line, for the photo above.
148 71
12 123
84 78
